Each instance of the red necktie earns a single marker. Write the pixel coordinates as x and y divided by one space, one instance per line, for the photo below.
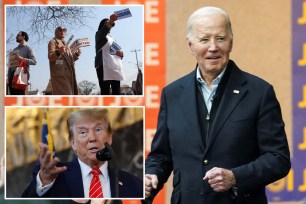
95 190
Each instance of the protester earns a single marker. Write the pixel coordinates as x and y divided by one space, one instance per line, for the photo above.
108 60
22 51
220 129
89 132
62 64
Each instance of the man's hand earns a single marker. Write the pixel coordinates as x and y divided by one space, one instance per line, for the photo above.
81 201
150 182
113 18
78 52
18 57
219 179
119 54
62 49
48 169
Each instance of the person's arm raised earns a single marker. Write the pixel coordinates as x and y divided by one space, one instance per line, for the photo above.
48 169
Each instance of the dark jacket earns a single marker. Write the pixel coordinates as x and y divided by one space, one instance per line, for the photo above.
69 184
246 136
100 40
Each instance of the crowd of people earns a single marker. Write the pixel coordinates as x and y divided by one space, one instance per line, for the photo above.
108 61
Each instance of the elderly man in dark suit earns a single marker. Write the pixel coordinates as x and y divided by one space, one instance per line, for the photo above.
220 129
85 176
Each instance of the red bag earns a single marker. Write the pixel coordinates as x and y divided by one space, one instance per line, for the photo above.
20 78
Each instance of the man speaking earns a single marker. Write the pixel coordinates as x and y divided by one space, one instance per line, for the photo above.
85 176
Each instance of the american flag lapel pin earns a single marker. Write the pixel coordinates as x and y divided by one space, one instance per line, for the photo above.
236 91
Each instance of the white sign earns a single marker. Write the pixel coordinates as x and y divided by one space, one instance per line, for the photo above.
82 42
114 48
124 13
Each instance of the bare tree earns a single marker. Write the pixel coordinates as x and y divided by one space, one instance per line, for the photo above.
9 40
86 87
44 19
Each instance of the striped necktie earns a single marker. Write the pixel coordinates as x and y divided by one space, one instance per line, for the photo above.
95 190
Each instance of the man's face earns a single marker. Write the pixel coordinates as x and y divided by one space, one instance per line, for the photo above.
89 136
61 33
19 37
211 43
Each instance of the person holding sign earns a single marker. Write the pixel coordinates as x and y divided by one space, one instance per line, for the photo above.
22 51
108 60
220 129
62 66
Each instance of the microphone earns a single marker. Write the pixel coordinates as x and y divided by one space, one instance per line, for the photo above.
104 154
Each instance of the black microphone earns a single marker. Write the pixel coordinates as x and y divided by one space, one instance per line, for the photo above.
104 154
107 154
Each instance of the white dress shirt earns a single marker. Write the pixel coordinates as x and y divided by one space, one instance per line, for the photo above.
87 176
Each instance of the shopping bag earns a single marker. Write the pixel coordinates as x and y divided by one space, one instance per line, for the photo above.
20 78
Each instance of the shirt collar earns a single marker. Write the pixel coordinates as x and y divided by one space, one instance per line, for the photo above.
21 45
216 81
85 169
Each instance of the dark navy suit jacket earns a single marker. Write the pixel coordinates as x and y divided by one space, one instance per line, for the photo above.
246 136
69 184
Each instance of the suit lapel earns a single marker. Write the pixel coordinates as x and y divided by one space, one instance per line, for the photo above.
234 91
113 173
188 104
74 179
112 181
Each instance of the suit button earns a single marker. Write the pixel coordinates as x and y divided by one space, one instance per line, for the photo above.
205 161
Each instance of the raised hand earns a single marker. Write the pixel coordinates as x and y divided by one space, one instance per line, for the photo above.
48 169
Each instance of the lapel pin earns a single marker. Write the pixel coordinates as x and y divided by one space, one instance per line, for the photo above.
236 91
120 183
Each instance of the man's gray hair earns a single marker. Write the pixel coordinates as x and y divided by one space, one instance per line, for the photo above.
204 11
94 114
